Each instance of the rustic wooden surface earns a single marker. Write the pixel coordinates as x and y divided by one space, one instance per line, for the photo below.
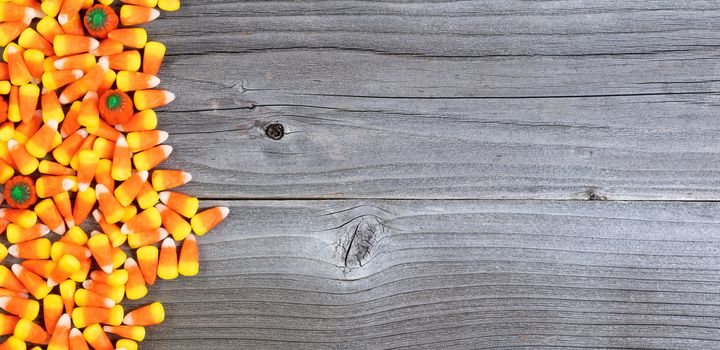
431 188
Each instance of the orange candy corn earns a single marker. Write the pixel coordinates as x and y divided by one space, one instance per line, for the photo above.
131 37
24 218
140 121
132 81
40 143
42 268
28 100
50 216
82 62
83 316
136 333
153 56
87 165
181 203
133 15
142 140
108 47
67 292
145 238
206 220
32 282
69 9
19 73
48 186
147 197
25 308
188 264
7 324
168 260
33 249
24 161
52 168
128 190
125 61
147 315
99 245
77 340
16 234
174 223
30 332
121 168
97 338
135 287
60 338
65 44
66 266
85 297
84 203
146 160
147 99
9 281
64 206
111 209
148 219
148 262
52 311
51 108
67 149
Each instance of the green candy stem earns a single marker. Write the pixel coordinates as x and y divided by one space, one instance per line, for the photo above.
114 101
97 18
20 193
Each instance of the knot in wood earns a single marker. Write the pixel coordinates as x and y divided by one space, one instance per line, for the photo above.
275 131
361 238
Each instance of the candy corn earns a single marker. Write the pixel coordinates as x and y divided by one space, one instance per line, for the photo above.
97 155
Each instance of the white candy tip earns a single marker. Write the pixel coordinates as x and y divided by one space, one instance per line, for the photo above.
187 177
63 99
168 243
77 73
121 141
154 14
12 143
11 50
82 132
62 19
104 63
164 196
75 333
169 96
67 184
13 250
100 189
143 175
224 211
154 81
167 149
63 321
44 230
107 268
52 123
17 269
94 44
162 136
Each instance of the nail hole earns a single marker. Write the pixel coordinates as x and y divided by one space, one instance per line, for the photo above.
275 131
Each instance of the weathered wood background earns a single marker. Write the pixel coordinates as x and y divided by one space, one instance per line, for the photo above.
431 190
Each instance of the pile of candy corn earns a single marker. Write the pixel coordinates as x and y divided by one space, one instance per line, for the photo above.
78 139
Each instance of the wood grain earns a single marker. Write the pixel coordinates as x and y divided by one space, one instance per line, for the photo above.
466 99
378 274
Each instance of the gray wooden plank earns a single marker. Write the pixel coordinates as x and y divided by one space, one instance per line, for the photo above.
373 274
426 99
